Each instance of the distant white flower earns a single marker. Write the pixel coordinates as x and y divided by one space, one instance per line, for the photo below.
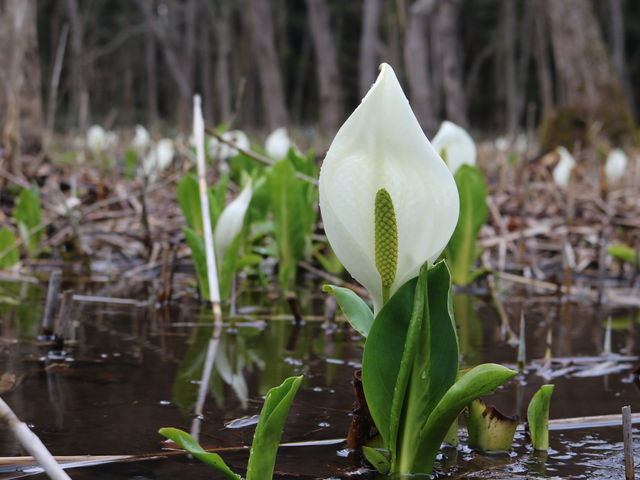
278 143
230 222
501 144
222 151
141 140
562 171
455 145
68 206
159 158
616 166
96 139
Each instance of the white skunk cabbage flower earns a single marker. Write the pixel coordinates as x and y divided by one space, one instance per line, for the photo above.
278 143
230 222
388 201
616 166
455 145
501 144
562 171
141 139
159 158
221 151
96 139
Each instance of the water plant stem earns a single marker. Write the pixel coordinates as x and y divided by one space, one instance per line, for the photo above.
629 469
51 305
32 443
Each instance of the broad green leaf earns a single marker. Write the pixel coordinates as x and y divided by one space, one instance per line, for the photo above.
8 249
131 162
196 245
288 204
228 265
189 201
269 430
188 443
28 216
622 252
479 381
538 417
377 458
462 250
354 308
383 353
429 365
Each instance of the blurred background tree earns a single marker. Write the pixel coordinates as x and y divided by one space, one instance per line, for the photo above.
499 67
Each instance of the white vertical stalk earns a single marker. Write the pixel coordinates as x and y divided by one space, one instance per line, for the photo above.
212 272
32 443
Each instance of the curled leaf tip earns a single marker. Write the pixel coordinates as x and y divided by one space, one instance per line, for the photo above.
386 238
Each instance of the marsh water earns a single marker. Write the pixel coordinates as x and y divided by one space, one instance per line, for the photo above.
134 367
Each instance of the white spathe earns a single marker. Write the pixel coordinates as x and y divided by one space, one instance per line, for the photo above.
457 144
278 143
222 151
96 139
562 171
381 145
159 158
230 222
616 166
141 140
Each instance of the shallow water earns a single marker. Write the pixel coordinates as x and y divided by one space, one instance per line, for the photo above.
136 368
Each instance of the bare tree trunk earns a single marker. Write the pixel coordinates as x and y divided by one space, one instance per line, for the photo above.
416 59
368 59
543 67
590 89
272 87
509 40
223 52
618 51
449 55
78 66
331 110
190 11
151 73
21 112
206 78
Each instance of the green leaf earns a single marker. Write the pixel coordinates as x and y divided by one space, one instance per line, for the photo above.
28 216
462 250
538 417
269 430
228 265
354 308
622 252
131 162
189 201
479 381
288 203
188 443
377 458
8 249
489 430
429 364
196 245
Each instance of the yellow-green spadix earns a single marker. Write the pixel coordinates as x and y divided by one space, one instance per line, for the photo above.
388 201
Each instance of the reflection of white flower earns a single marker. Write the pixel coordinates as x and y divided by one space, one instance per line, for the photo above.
222 151
230 222
562 171
616 165
141 140
455 145
278 143
381 162
159 158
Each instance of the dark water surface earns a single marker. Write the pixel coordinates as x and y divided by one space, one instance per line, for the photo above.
135 368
